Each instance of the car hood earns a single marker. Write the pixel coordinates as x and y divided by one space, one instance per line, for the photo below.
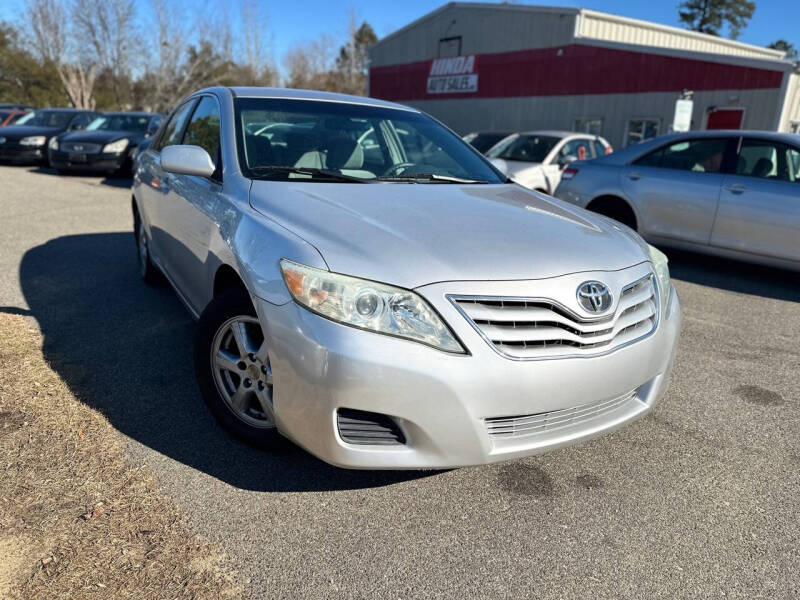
411 234
101 136
17 132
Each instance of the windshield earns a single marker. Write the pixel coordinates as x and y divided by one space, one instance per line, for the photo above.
525 148
484 141
137 123
46 118
312 140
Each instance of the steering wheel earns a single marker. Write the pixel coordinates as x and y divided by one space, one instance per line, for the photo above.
397 169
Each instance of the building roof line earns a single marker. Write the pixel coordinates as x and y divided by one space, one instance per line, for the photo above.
769 53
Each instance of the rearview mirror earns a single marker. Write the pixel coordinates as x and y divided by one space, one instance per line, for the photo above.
187 160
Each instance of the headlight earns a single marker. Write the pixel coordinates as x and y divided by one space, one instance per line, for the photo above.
368 305
662 273
33 140
53 144
116 147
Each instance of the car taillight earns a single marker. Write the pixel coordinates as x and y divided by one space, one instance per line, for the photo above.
569 173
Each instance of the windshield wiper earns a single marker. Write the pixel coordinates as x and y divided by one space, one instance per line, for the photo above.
312 171
427 177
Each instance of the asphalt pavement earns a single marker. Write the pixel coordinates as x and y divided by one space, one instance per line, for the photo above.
701 499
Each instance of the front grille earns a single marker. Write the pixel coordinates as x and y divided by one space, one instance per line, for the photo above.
82 147
362 427
530 329
540 423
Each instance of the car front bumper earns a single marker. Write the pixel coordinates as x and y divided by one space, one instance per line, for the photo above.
22 154
109 163
441 401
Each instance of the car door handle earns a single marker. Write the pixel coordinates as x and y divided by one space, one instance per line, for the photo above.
634 176
736 188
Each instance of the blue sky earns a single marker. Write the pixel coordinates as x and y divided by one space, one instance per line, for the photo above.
292 23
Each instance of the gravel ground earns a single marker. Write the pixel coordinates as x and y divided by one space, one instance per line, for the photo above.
698 500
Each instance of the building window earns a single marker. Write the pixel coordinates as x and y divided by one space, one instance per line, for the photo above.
591 125
450 47
794 127
639 130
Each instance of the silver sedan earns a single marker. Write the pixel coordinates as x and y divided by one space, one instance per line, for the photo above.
368 286
728 193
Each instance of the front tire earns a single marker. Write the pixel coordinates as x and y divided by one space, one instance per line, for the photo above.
233 370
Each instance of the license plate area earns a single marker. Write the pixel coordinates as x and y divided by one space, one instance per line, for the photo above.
77 157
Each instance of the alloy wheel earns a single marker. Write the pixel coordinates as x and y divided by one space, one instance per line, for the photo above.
242 372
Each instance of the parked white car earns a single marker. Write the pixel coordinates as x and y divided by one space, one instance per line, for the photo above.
535 159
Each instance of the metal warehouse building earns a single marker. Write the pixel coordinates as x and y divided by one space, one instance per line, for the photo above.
500 66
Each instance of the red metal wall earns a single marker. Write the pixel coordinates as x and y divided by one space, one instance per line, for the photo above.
580 69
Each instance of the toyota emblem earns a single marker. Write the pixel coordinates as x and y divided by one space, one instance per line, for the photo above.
594 297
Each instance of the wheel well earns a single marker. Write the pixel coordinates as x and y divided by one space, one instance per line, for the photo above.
616 208
227 279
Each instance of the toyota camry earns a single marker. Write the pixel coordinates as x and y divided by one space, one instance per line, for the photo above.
370 287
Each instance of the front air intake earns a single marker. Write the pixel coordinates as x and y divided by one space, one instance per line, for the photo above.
362 427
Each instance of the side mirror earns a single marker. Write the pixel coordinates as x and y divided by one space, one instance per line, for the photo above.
563 161
77 127
187 160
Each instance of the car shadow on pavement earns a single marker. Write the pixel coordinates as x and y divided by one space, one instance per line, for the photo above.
116 181
126 350
734 276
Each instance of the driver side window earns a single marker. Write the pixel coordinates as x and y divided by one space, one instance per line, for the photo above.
578 148
80 122
172 132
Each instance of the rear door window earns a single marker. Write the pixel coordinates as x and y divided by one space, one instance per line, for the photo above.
768 160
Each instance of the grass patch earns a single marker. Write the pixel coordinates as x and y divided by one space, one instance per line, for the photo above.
77 520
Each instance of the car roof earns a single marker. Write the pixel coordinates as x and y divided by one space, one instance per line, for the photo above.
129 114
634 151
494 132
296 94
69 110
558 133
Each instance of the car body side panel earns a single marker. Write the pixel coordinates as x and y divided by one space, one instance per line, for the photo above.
673 203
761 216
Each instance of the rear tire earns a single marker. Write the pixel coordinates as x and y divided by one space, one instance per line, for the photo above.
614 208
233 371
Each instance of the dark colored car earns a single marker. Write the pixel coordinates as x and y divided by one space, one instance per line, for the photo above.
9 116
108 144
26 141
482 141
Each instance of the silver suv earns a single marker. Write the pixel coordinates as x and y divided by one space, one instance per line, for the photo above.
370 287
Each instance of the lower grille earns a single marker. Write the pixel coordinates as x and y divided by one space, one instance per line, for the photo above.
531 425
83 147
362 427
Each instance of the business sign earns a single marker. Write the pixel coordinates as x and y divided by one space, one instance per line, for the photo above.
456 75
683 115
